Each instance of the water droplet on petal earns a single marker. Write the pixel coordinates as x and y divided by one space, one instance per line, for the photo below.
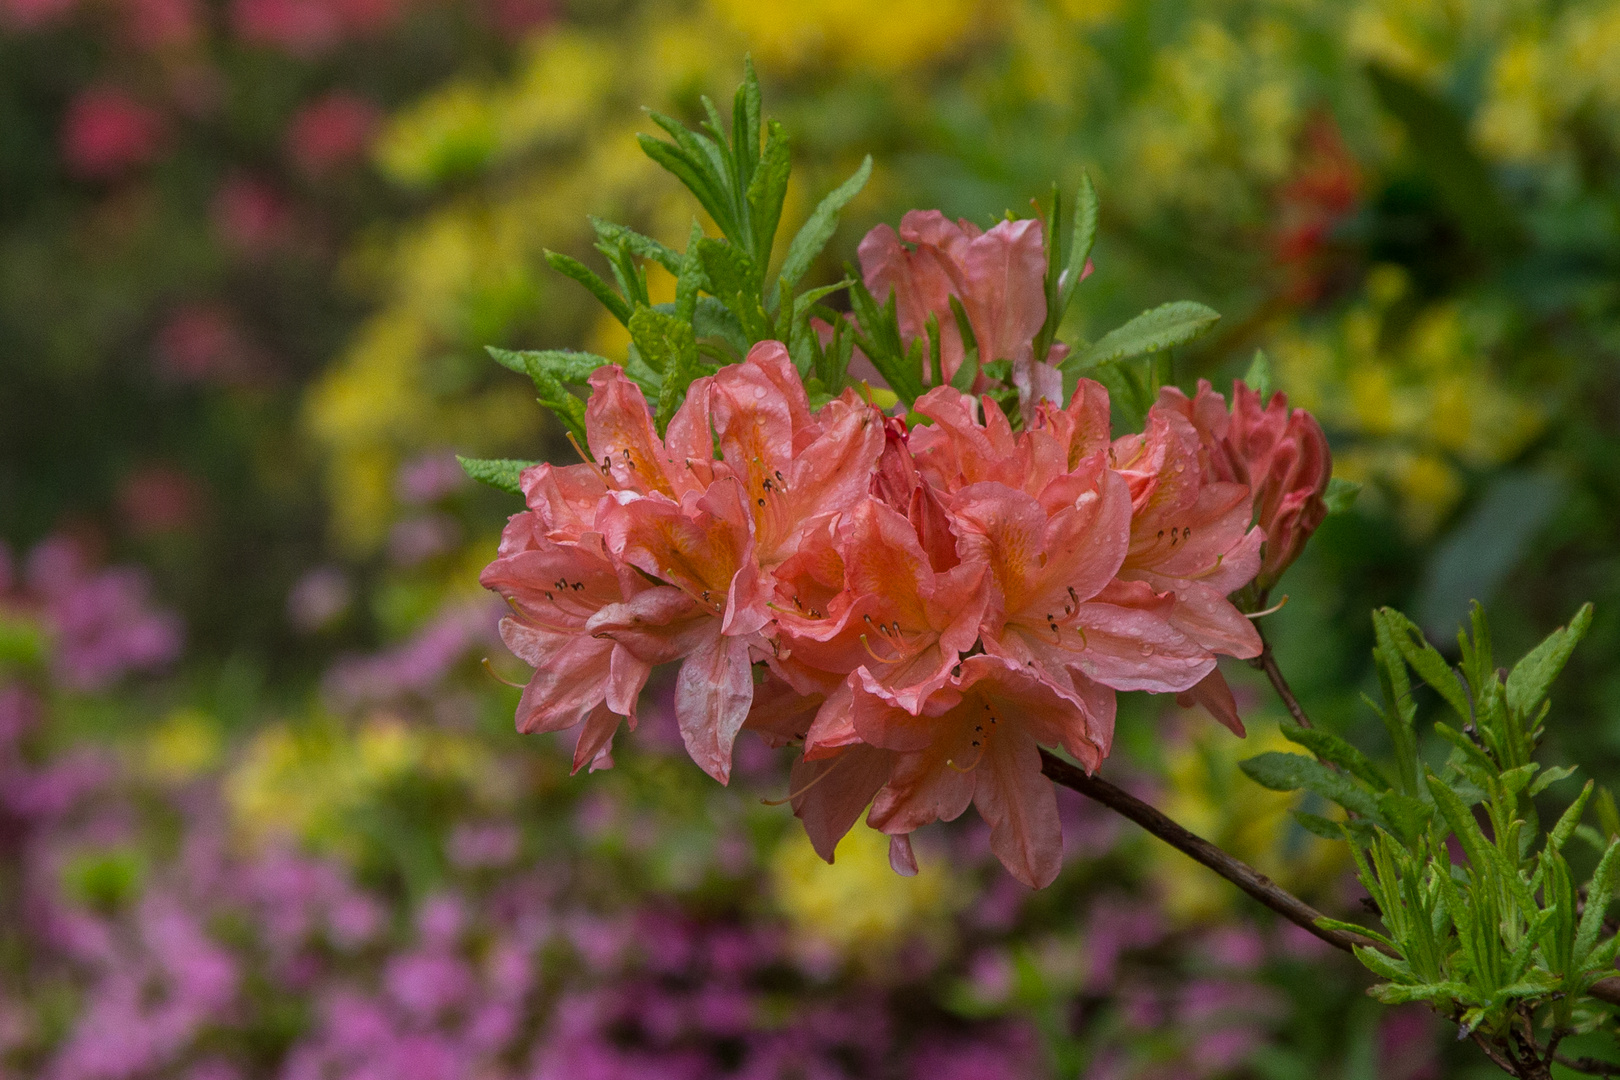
1146 649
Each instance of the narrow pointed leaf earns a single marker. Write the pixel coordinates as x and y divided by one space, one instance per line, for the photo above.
502 473
1165 326
813 235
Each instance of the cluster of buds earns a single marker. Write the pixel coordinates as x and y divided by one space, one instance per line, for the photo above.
918 607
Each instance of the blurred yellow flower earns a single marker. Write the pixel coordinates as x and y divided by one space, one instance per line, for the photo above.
1209 795
185 745
858 902
888 37
1416 397
301 782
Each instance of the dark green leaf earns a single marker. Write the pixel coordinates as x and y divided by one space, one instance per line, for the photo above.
1259 377
571 267
1532 676
1598 895
1427 662
1341 495
1085 235
1290 772
823 221
734 281
644 246
695 177
503 473
564 365
1165 326
1331 748
767 191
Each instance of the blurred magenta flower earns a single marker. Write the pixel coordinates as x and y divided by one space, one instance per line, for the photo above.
101 623
331 132
203 343
251 215
161 24
107 132
33 14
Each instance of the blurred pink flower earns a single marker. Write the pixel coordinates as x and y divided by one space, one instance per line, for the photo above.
250 215
158 498
331 132
429 478
310 27
492 844
107 132
415 540
102 623
161 24
33 14
202 343
515 18
318 599
301 27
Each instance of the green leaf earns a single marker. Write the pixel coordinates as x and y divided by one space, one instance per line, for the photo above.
1290 772
879 339
1550 777
734 281
1532 676
1462 824
1390 968
1341 495
1085 235
1165 326
1331 748
1259 377
563 364
1353 928
1599 892
503 473
813 235
767 191
1607 814
1398 994
745 116
668 345
572 267
1427 662
690 279
551 370
713 319
1399 712
644 246
696 175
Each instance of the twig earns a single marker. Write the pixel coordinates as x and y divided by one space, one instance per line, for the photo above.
1267 663
1589 1066
1196 847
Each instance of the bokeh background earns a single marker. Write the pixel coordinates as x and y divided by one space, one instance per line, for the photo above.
262 812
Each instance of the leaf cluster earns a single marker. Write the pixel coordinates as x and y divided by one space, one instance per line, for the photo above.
731 291
1480 912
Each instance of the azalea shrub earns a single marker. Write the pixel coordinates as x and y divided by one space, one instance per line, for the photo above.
903 539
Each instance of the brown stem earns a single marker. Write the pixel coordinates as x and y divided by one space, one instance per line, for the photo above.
1590 1066
1267 662
1234 870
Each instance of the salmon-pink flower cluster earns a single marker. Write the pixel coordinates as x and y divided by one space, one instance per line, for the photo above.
996 276
1281 455
919 608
